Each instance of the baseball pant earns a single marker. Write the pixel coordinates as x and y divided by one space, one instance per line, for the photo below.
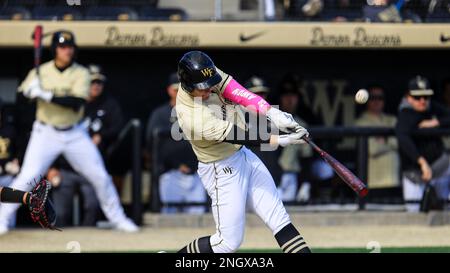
232 183
413 192
45 145
62 196
177 187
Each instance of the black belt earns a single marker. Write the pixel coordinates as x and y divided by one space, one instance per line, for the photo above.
67 128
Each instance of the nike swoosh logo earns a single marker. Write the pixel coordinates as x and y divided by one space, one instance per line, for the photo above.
246 38
445 39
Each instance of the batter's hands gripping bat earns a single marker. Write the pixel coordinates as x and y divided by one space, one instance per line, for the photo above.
345 174
37 37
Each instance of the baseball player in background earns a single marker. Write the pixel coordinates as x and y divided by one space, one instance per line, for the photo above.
61 89
104 119
9 164
210 114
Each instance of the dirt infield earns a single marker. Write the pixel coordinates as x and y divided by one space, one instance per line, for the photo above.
153 239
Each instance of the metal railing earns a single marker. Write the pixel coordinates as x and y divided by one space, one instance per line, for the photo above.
133 130
361 134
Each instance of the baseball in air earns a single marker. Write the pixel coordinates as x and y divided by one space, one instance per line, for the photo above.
361 96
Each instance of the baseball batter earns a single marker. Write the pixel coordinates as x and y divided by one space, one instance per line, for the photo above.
232 175
61 89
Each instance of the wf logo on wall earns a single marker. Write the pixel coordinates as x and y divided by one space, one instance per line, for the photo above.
73 2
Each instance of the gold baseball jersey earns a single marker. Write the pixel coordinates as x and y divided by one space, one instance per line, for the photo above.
74 81
207 123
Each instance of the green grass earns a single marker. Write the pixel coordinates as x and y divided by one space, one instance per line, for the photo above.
433 249
444 249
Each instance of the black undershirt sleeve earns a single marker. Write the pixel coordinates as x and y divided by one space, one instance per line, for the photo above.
72 102
242 137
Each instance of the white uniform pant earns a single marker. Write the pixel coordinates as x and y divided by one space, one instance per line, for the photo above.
413 192
44 146
177 187
232 183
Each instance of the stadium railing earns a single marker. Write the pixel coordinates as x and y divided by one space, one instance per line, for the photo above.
131 136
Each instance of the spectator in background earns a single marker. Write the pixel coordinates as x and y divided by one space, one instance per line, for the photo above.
345 10
388 11
423 158
104 119
291 81
272 8
330 10
384 163
381 11
312 8
446 92
258 86
320 171
179 181
269 10
303 8
291 156
66 183
446 102
9 164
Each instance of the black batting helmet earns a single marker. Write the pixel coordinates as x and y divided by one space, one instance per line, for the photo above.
196 70
62 37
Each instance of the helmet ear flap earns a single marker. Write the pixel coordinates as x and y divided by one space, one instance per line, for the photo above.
184 77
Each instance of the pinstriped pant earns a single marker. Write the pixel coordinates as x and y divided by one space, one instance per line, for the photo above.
234 183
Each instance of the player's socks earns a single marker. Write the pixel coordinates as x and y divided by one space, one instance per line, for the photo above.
9 195
201 245
291 241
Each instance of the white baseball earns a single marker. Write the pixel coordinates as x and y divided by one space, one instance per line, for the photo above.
361 96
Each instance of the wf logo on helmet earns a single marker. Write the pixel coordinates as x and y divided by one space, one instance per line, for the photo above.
207 72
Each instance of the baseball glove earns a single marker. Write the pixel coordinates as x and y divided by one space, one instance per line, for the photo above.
41 208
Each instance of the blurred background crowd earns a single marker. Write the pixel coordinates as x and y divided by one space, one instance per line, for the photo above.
412 11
